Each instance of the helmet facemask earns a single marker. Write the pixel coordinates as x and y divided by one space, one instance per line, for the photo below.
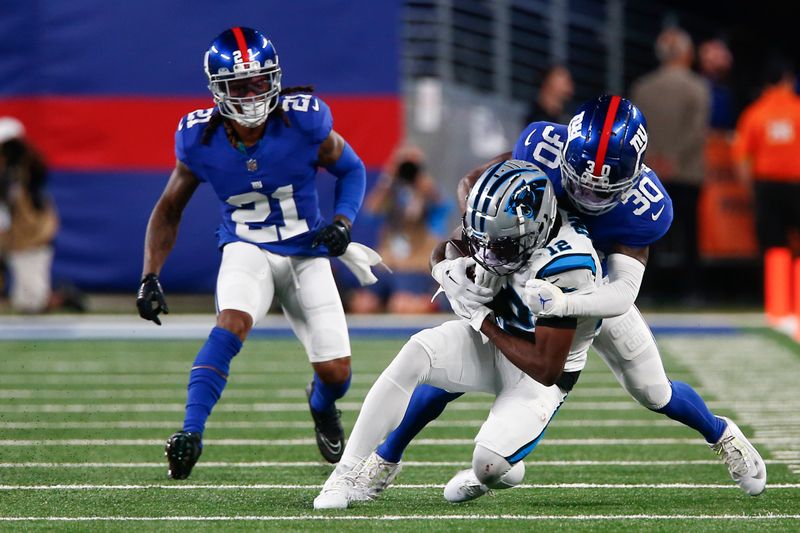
501 256
512 220
594 195
248 94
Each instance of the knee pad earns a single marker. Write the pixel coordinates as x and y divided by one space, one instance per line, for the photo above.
495 471
646 381
654 396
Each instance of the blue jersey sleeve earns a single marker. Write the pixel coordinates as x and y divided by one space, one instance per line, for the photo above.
540 143
180 144
310 114
188 136
527 140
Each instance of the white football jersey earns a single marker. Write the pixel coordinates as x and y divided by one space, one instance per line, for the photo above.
568 261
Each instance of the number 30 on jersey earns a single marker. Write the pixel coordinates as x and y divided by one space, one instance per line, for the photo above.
644 195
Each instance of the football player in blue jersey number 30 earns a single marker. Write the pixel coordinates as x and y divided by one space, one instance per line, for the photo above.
596 165
259 148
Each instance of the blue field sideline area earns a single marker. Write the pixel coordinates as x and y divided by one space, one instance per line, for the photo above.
197 326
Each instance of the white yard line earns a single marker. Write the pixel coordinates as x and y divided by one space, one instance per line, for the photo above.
265 393
270 407
575 405
406 464
753 376
274 424
308 441
258 486
179 379
392 518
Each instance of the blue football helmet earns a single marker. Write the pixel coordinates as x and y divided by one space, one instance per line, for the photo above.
243 75
510 212
602 158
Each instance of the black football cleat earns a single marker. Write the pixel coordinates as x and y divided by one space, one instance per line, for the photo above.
329 430
183 449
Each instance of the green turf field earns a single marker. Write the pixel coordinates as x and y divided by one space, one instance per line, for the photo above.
82 425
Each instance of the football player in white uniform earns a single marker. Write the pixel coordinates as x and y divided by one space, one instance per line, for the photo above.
596 165
515 234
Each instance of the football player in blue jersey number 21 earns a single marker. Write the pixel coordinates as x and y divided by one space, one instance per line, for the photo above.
259 148
596 165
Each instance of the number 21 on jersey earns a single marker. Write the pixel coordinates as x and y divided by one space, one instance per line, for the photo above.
254 209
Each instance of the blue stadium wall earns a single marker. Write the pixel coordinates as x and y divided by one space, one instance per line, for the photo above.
101 86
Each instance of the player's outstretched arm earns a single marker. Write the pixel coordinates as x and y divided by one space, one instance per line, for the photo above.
340 160
162 231
543 360
626 267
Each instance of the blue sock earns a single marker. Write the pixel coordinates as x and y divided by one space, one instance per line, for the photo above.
325 394
208 377
688 408
426 404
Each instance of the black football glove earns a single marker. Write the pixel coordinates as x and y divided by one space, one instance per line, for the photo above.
335 237
150 292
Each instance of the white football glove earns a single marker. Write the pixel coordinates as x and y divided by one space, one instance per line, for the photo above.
470 311
467 299
543 298
487 279
452 276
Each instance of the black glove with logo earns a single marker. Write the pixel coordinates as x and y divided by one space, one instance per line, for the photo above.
150 293
335 237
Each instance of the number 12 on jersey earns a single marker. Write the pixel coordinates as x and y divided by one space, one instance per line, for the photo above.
254 208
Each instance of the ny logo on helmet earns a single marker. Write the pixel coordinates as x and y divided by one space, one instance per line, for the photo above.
639 140
574 127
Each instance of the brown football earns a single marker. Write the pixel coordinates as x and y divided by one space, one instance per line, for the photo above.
458 248
455 249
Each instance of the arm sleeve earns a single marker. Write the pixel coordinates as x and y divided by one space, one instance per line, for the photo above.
351 182
614 298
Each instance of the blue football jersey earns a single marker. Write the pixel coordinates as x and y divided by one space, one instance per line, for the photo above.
267 193
643 216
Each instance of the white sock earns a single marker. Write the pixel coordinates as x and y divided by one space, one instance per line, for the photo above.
385 404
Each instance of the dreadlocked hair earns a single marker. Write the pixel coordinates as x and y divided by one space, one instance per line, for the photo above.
214 123
217 119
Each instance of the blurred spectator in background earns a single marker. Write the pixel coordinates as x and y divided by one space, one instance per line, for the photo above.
28 225
675 101
767 153
555 93
725 220
414 217
715 62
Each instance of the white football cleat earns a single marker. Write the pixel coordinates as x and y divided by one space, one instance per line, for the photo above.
464 487
336 493
364 482
746 466
375 475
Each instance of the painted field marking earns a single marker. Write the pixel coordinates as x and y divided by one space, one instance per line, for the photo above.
390 518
